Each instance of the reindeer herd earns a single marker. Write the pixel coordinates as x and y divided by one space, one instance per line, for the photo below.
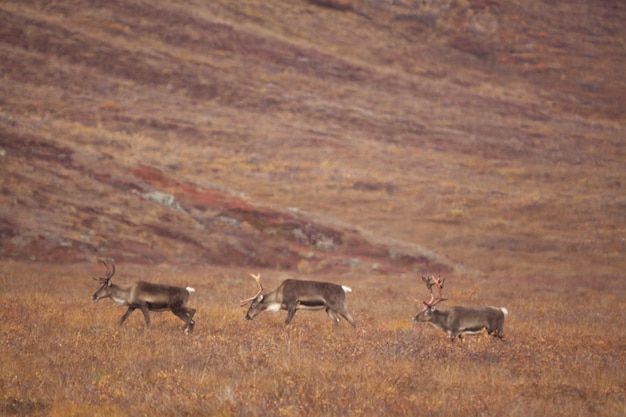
292 295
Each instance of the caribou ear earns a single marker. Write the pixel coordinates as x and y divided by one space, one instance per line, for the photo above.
259 298
108 283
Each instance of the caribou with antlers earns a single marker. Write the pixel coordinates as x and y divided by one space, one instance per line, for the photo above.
294 295
146 297
460 320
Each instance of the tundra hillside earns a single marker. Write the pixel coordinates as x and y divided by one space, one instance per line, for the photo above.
364 143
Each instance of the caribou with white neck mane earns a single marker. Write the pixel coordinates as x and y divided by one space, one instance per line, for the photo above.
294 295
460 320
146 297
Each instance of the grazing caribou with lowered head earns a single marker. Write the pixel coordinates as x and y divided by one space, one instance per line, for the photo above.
146 297
294 295
460 320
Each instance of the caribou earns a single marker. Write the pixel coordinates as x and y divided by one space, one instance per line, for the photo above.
294 295
146 297
458 321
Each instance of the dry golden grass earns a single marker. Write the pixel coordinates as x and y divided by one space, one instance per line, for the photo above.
483 135
63 355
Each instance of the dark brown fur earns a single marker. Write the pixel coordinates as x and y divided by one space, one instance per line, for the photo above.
465 320
294 295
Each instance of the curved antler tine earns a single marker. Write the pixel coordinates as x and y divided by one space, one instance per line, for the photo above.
429 285
439 282
432 297
257 278
110 270
430 282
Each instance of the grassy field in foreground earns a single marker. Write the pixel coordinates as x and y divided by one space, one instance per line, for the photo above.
63 355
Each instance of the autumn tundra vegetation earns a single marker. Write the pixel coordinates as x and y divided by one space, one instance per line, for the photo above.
63 355
361 144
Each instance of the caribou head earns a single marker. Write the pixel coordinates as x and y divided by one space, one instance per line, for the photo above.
105 289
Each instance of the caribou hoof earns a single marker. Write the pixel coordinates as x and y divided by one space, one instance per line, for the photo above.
189 327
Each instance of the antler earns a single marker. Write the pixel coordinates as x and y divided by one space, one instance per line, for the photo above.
110 271
430 282
257 278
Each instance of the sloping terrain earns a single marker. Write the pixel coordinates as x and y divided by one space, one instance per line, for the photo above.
363 142
434 136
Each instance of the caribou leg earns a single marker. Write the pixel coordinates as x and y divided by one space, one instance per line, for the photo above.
146 314
332 315
343 312
290 313
128 312
186 314
192 323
